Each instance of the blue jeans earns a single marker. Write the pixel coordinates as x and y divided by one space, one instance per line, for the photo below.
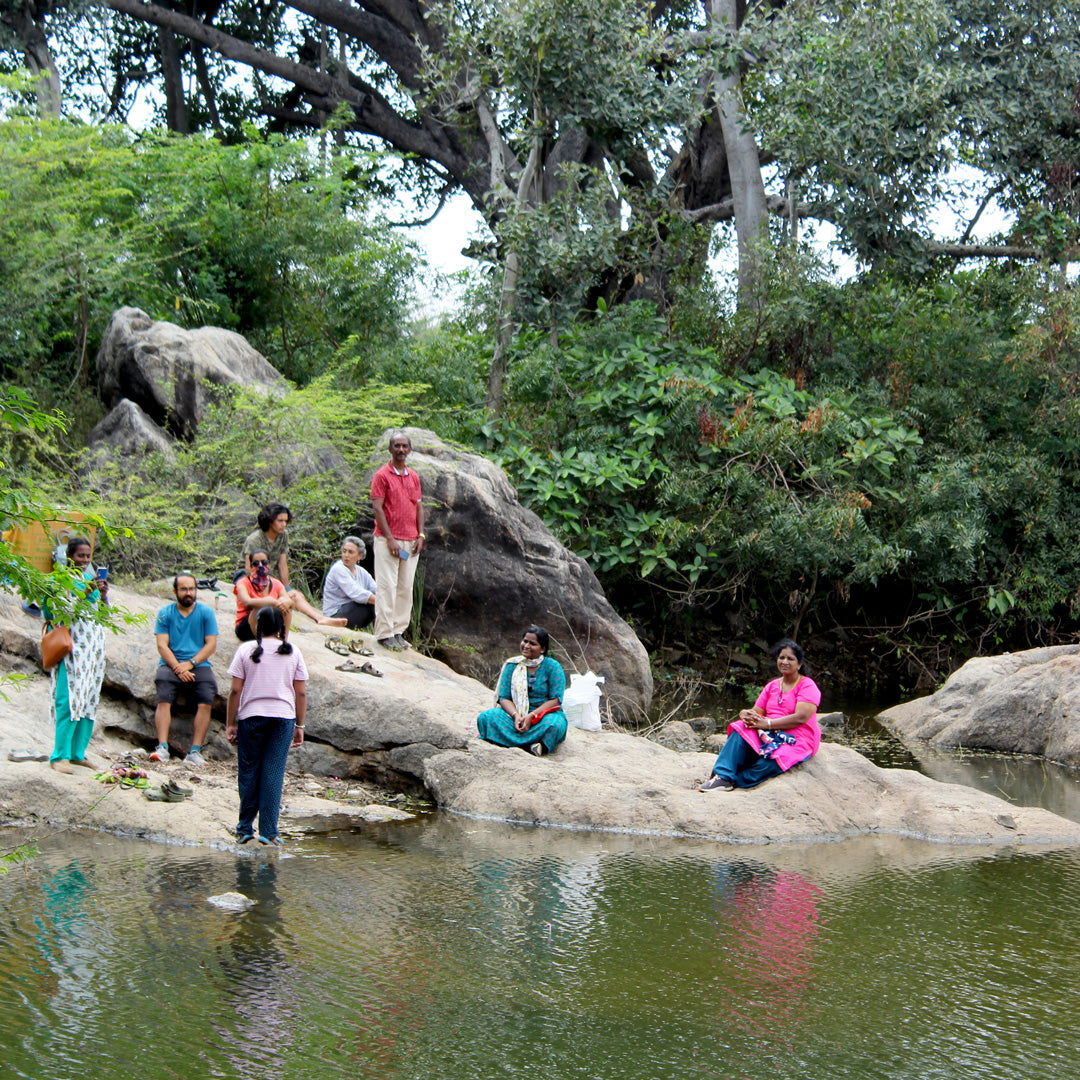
262 747
742 764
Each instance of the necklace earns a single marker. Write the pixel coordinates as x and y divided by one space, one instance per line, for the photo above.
785 689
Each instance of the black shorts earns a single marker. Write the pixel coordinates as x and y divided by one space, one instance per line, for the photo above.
170 685
244 631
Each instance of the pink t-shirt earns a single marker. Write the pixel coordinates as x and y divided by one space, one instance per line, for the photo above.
777 702
268 689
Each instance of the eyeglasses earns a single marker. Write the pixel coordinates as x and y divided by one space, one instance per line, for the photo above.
260 562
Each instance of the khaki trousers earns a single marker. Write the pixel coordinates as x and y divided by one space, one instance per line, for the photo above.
393 588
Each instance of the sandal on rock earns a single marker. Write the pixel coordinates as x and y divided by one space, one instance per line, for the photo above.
176 789
365 668
33 755
360 648
161 794
337 645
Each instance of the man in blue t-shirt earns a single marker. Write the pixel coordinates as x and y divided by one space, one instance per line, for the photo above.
187 634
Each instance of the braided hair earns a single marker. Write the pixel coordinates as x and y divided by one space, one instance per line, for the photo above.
270 623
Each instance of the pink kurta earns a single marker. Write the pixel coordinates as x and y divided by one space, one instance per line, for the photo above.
776 704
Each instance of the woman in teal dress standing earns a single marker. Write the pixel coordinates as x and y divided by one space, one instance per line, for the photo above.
528 710
76 680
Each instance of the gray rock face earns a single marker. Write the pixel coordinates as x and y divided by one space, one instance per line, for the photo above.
679 736
621 783
492 568
127 431
1025 703
418 723
165 369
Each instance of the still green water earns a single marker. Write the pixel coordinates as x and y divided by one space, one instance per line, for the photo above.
452 949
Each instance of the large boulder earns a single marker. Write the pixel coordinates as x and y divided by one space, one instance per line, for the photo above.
128 431
1025 703
170 372
491 568
417 722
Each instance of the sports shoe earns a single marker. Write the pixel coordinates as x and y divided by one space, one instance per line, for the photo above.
195 759
390 643
717 783
160 754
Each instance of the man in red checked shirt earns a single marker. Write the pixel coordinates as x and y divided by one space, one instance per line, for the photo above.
399 539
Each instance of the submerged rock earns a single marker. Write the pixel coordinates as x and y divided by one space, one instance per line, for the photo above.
231 901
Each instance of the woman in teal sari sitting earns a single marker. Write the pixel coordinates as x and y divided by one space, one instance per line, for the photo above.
528 711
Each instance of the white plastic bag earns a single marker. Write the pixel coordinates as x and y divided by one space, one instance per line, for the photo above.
581 702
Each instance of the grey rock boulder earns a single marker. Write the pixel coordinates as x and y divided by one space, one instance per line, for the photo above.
491 568
1026 703
128 431
170 372
679 736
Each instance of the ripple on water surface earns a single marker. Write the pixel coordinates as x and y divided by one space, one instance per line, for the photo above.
458 949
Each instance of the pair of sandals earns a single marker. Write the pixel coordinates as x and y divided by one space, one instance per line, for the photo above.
344 646
170 791
366 668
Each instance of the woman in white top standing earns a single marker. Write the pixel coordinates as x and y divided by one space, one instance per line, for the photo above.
266 713
349 590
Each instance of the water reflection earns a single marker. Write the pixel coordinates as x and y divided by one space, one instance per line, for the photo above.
261 983
465 951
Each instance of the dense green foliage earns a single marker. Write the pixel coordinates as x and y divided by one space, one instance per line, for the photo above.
261 238
27 439
890 462
880 461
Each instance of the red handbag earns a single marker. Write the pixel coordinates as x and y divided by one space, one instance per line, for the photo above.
55 645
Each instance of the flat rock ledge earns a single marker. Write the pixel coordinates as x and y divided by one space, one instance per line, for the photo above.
621 783
32 794
1020 703
418 723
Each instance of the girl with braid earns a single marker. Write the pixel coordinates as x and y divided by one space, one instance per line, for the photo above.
265 718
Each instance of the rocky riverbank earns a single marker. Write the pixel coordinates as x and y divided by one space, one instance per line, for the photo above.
414 730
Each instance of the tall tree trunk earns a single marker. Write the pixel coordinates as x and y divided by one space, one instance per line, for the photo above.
39 60
744 168
176 110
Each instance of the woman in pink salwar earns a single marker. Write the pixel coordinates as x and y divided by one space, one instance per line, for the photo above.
778 732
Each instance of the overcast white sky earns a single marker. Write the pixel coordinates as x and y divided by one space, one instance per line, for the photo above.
443 239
